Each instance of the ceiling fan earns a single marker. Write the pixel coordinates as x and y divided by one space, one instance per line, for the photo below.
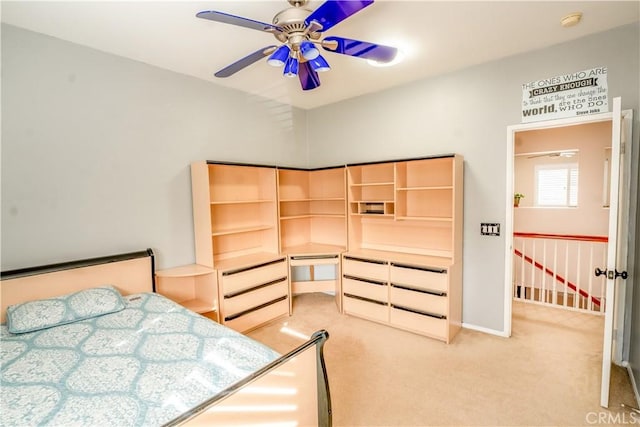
567 154
300 31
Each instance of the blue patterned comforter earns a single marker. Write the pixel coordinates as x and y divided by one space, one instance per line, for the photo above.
143 365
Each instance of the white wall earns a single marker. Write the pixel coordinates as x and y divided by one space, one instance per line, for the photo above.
96 150
468 112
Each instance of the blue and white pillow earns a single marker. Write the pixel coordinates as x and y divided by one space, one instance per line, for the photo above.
41 314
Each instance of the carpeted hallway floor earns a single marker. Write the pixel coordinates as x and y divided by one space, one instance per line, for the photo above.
546 374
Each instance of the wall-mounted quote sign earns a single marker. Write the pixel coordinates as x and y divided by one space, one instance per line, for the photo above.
575 94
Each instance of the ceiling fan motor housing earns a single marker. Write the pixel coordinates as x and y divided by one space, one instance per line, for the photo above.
291 20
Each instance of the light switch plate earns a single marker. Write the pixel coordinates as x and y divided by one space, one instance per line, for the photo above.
489 229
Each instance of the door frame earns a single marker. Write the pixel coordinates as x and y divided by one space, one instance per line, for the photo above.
508 228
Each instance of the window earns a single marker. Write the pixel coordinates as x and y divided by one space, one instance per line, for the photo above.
557 185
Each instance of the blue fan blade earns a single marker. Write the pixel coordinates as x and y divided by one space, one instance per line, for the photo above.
333 12
213 15
360 49
309 79
230 70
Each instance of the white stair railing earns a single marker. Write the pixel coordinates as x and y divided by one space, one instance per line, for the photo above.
558 270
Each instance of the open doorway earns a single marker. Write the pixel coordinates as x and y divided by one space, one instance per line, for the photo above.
560 224
617 244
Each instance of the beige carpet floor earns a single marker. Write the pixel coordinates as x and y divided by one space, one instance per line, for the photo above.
546 374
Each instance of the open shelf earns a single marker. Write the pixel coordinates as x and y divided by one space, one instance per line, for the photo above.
241 230
423 203
336 199
240 202
312 208
285 218
185 271
442 187
372 184
193 286
424 218
199 306
372 208
437 172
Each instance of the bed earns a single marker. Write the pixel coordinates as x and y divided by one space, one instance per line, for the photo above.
88 342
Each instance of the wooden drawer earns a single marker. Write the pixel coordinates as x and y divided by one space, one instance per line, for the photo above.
436 304
255 318
365 288
240 279
361 267
434 279
420 323
367 309
253 297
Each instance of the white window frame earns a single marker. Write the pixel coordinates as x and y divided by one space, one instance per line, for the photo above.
568 167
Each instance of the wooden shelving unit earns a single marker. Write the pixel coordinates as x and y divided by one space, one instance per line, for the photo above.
236 234
312 208
371 190
385 237
313 225
193 286
403 266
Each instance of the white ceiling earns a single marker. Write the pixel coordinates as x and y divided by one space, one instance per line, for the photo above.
437 37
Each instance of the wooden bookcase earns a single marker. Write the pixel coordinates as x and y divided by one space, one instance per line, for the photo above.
236 233
403 266
313 225
235 208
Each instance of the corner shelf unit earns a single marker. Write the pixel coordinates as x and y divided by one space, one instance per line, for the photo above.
385 237
312 208
313 227
193 286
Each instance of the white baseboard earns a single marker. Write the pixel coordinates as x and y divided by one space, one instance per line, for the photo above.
634 384
485 330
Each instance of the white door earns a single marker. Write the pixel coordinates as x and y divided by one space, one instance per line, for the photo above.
616 262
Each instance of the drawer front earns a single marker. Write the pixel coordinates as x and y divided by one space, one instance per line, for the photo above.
366 309
238 280
435 304
256 297
419 277
376 291
363 268
256 318
296 260
425 325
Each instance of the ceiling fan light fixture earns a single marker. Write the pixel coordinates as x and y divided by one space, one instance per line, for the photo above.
308 50
319 64
291 67
279 57
571 19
